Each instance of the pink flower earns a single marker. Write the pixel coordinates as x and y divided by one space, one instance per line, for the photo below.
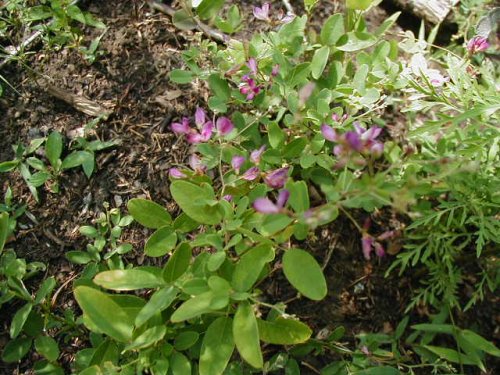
236 162
276 70
266 206
252 65
224 126
228 197
251 174
329 133
176 173
182 127
368 244
196 164
283 19
276 179
249 88
477 44
199 117
262 13
256 154
359 140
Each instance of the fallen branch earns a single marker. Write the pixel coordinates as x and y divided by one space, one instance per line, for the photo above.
205 29
434 11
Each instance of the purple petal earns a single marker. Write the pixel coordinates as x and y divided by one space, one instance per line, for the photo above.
206 131
477 44
196 164
288 18
371 134
265 206
262 13
335 117
251 174
256 154
366 245
379 249
224 126
194 138
353 141
252 65
181 128
329 133
228 197
236 162
176 173
282 198
359 129
276 70
338 150
199 117
387 235
276 179
377 149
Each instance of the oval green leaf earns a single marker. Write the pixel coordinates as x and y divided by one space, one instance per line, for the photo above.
193 307
131 279
158 302
178 263
305 274
283 331
104 313
249 267
191 198
246 335
47 347
217 347
161 242
148 213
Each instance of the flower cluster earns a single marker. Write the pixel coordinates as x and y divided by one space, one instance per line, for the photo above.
361 140
248 85
477 44
274 179
262 13
204 128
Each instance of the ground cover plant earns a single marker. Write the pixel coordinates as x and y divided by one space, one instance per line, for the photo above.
312 141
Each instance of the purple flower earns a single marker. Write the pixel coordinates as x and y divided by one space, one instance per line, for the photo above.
176 173
182 127
252 65
276 179
276 70
199 117
251 174
353 140
285 18
236 162
228 197
248 87
329 133
256 154
205 134
477 44
262 13
266 206
224 126
305 92
196 164
368 244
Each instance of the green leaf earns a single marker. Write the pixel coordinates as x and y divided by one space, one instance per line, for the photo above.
309 5
249 267
147 338
381 370
332 30
76 159
107 351
358 4
355 41
305 274
283 331
16 349
129 279
47 347
192 200
387 24
319 61
217 347
179 364
161 242
38 179
185 340
19 319
181 76
53 148
148 213
479 342
104 313
275 135
219 86
178 263
78 257
158 302
47 368
436 328
246 335
299 195
193 307
4 229
38 13
271 224
9 165
183 20
75 13
450 355
45 289
209 8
